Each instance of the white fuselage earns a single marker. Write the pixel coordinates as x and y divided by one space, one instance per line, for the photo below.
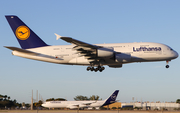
72 104
139 52
82 104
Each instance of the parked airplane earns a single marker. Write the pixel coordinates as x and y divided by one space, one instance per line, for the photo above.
81 104
80 53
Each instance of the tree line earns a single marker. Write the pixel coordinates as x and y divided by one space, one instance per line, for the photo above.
93 97
77 98
5 102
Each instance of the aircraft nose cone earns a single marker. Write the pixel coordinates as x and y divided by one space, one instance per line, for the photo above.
175 54
43 105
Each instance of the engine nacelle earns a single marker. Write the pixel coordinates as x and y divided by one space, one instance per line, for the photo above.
105 52
72 107
77 106
82 106
123 58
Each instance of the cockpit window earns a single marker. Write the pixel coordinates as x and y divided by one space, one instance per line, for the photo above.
169 48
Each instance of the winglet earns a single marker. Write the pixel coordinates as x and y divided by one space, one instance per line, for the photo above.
57 36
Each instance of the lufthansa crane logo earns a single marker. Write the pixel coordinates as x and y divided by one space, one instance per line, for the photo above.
22 32
113 97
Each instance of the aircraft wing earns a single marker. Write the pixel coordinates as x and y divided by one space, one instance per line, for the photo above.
73 106
85 49
89 103
80 105
77 42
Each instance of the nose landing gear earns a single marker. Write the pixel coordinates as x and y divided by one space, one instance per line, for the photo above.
167 62
99 68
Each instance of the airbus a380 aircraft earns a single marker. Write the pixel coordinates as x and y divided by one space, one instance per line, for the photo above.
95 56
81 104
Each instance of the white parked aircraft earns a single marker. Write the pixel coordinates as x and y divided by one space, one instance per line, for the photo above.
81 104
95 56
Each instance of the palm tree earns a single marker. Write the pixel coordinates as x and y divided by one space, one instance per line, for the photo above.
5 96
60 99
1 97
9 97
80 97
93 97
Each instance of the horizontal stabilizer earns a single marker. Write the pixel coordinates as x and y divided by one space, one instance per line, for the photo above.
21 50
33 55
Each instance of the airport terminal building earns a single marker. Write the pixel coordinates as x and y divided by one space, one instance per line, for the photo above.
152 106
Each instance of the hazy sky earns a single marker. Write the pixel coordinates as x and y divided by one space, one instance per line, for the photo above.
92 21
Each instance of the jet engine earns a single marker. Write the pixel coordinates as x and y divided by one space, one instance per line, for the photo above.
77 106
105 52
72 107
123 58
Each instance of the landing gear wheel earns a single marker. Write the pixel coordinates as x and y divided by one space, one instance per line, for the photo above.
88 68
167 62
92 68
100 70
96 70
167 66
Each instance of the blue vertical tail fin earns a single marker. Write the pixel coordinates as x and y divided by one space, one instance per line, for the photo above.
25 36
111 99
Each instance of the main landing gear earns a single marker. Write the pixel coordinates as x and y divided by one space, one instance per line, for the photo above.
167 66
99 68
